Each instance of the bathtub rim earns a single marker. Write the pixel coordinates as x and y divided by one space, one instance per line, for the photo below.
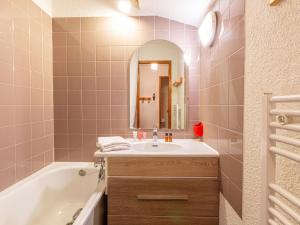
53 167
89 207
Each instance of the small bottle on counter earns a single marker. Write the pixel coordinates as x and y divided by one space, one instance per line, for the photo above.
166 137
140 134
145 135
134 135
170 137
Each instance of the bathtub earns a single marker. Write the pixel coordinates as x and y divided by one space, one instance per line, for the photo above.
52 195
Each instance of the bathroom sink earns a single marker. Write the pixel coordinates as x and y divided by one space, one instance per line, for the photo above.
162 147
177 148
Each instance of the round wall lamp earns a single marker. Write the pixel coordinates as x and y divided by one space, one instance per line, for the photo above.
208 29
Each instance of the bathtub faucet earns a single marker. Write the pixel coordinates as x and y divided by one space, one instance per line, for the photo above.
100 162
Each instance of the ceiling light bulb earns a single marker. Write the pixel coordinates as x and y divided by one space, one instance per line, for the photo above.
124 6
154 66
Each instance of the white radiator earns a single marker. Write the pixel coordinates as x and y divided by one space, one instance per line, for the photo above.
275 211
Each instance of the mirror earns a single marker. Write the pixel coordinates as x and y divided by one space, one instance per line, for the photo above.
158 86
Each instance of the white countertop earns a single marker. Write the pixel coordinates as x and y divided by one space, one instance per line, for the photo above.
186 148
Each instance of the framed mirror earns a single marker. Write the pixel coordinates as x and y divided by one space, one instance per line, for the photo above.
158 76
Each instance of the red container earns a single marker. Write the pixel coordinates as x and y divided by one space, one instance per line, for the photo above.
198 129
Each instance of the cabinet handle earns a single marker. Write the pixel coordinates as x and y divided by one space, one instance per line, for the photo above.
163 197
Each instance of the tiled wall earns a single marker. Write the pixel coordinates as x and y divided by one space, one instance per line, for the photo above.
26 105
222 98
91 79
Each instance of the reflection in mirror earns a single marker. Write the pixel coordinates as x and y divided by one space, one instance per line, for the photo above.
158 86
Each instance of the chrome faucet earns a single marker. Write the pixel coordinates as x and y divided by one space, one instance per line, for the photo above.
154 137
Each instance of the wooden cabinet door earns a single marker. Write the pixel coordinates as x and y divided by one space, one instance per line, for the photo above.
170 197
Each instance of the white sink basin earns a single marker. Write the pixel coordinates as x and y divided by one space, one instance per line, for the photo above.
162 147
177 148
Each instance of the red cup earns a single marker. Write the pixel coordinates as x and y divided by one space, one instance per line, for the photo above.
198 129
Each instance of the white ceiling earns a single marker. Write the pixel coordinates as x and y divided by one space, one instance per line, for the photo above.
186 11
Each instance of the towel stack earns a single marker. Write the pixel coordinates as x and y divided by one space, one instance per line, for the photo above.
107 144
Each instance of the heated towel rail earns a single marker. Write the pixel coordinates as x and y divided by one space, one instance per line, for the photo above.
275 211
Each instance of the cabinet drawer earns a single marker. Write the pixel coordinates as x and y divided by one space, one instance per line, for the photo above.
171 197
164 167
136 220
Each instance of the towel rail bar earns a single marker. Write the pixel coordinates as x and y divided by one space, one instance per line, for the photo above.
285 153
285 140
287 98
279 216
291 127
285 208
286 112
272 222
287 195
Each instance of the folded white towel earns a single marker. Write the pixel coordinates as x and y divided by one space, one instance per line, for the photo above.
115 148
113 143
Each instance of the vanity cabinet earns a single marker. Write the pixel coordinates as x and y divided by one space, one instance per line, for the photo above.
163 191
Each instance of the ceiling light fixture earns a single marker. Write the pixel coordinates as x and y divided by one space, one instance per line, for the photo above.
124 6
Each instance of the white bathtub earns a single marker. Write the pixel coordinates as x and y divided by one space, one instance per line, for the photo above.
52 195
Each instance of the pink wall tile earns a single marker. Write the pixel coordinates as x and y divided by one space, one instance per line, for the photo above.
6 73
147 23
89 127
7 177
74 68
119 83
236 64
38 162
103 112
73 39
103 83
38 113
89 112
103 97
88 68
60 39
89 97
102 53
73 112
119 98
37 130
27 119
22 114
174 25
61 155
7 157
23 151
162 23
236 91
118 69
222 97
103 68
6 115
23 169
117 53
74 83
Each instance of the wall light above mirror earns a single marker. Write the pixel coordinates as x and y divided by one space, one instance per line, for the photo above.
208 29
158 75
